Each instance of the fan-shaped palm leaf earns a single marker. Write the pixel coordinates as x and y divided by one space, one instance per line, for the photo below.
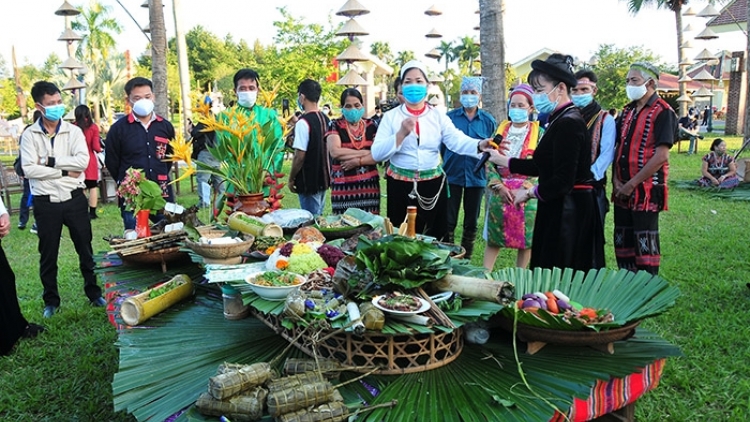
629 296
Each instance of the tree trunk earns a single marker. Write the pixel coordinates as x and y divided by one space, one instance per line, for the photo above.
182 63
680 55
746 125
492 48
159 57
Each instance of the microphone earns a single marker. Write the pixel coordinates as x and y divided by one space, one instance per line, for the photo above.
486 155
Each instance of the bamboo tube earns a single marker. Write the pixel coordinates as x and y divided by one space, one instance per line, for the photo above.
414 319
139 308
477 288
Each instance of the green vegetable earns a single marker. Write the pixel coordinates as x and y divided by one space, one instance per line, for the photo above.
402 261
305 263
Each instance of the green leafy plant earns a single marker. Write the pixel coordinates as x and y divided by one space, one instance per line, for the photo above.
404 262
139 193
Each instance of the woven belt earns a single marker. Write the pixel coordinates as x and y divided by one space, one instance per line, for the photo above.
407 175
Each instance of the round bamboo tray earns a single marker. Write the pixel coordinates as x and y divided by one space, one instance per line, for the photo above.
395 354
220 252
161 256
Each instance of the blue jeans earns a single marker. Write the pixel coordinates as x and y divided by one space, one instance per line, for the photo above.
313 202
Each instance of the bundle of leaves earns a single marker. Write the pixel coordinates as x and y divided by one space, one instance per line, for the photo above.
402 261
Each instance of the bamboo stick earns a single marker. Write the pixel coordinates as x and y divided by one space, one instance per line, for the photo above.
477 288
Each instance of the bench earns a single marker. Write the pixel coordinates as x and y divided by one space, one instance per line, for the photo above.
10 184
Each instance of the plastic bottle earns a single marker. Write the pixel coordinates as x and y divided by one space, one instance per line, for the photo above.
411 221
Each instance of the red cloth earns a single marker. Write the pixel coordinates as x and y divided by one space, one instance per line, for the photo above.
94 144
608 396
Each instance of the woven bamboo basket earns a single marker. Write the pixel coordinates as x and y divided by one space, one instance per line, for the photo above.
219 252
395 354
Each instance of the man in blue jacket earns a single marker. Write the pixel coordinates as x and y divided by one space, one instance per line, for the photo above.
463 182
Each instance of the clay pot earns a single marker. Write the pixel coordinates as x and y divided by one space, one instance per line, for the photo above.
253 204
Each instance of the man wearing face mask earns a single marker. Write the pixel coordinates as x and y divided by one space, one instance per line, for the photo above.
601 126
646 130
53 155
463 182
141 141
246 87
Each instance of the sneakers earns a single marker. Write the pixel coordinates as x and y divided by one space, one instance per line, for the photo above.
21 226
33 229
99 302
49 310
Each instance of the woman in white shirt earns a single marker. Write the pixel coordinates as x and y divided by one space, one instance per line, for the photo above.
410 137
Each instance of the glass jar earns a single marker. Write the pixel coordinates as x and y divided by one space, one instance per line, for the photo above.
233 307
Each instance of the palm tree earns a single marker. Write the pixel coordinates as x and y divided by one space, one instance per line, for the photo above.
404 56
447 52
467 52
382 50
159 57
98 41
635 6
97 32
492 45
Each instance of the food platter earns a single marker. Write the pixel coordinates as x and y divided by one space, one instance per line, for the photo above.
423 308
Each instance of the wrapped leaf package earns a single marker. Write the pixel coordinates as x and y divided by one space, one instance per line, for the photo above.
245 407
329 412
234 382
301 397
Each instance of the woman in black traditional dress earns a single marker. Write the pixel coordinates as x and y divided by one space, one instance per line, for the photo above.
12 323
568 232
355 180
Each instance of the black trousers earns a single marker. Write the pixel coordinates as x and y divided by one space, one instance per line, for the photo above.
12 322
50 218
636 239
430 223
472 199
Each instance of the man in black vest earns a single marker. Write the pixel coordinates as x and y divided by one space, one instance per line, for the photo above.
310 175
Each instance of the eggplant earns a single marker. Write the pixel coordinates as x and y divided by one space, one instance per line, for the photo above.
563 305
530 303
543 304
528 296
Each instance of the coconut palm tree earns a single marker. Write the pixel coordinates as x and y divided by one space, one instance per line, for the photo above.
403 57
447 52
635 6
98 32
159 57
467 51
492 46
382 50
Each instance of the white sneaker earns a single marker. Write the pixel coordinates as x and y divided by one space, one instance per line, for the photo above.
33 229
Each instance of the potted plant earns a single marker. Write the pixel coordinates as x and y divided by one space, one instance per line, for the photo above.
142 197
250 151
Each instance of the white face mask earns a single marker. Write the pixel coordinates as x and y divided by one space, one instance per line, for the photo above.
247 98
143 107
636 92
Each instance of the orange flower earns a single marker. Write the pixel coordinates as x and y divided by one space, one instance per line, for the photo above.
282 264
270 250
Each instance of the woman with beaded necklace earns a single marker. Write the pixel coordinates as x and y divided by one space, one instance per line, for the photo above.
355 181
410 138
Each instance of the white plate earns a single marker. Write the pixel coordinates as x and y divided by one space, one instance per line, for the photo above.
441 297
424 308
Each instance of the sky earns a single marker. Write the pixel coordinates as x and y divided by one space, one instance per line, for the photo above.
574 27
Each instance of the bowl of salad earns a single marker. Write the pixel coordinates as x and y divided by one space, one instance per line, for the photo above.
275 285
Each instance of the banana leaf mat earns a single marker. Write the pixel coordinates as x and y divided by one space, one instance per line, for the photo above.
165 367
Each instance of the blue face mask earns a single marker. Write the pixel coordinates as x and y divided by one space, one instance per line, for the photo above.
543 104
299 104
469 100
582 100
518 115
353 115
414 93
54 112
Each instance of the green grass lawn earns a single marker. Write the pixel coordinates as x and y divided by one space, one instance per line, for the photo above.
66 373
